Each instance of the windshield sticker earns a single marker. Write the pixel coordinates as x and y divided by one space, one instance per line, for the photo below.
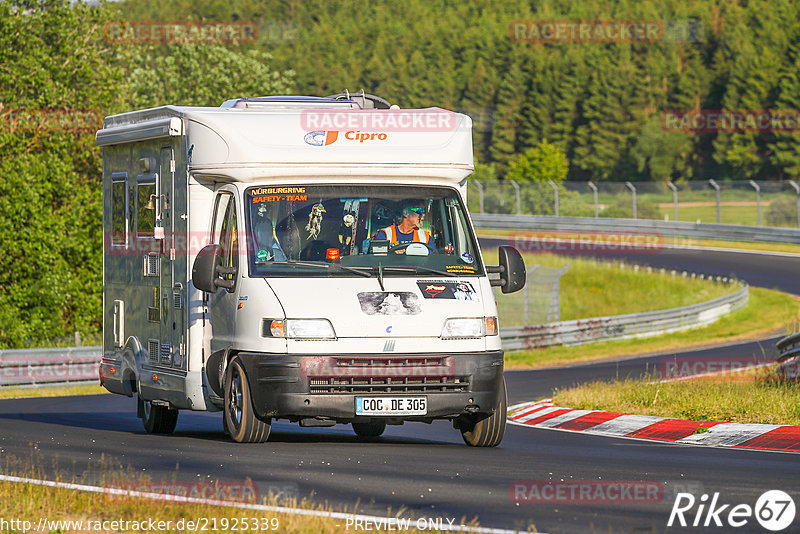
398 303
467 257
461 269
277 194
441 289
315 221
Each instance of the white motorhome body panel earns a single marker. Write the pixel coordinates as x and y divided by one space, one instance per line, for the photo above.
217 138
338 300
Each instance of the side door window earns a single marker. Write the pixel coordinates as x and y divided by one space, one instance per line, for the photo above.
225 231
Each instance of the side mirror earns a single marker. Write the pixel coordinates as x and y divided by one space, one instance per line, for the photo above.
511 269
207 269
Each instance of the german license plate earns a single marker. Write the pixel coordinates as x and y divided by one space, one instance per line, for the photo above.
391 405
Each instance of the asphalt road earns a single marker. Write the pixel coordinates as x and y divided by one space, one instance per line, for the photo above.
423 469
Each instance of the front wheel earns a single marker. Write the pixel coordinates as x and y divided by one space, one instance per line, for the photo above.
157 419
488 432
240 418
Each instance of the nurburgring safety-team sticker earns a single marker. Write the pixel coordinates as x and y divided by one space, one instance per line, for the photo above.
447 289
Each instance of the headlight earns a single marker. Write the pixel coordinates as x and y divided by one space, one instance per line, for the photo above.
298 329
463 328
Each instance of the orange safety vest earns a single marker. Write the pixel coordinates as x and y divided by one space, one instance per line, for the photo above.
420 236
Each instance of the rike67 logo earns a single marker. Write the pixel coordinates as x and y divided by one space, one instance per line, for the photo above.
774 510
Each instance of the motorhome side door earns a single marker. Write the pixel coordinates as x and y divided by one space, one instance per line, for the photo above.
222 304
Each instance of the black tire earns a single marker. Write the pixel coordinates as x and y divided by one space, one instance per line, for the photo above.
488 432
240 418
157 419
369 430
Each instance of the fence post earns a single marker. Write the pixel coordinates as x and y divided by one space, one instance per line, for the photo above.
797 192
516 190
633 191
480 195
755 186
716 188
594 190
674 197
527 296
555 194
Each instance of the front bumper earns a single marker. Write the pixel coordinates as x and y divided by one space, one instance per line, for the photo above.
301 387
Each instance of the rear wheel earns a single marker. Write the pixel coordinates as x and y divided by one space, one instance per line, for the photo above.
369 430
488 432
240 418
157 419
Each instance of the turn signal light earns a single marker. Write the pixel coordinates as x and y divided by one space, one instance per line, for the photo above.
491 326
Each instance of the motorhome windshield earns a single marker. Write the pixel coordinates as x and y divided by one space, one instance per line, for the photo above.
326 230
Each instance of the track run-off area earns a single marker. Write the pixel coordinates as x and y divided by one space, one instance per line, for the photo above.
425 470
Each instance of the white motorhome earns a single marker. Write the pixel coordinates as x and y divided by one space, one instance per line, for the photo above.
299 258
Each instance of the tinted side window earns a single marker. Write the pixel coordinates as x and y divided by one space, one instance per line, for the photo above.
119 210
145 209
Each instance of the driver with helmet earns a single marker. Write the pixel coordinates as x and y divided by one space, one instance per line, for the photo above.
408 231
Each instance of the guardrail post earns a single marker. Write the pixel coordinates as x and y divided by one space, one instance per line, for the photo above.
716 188
555 194
596 207
480 195
755 186
674 197
797 192
516 190
633 192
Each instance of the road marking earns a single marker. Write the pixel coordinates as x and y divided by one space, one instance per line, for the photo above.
233 504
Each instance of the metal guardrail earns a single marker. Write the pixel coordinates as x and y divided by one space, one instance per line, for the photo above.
600 225
580 331
789 347
48 366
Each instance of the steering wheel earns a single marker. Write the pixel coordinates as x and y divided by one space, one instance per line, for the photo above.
403 246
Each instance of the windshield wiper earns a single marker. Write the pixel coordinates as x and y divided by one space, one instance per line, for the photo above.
417 270
328 266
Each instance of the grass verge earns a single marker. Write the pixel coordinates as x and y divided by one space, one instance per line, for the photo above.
768 312
27 502
51 391
750 397
596 289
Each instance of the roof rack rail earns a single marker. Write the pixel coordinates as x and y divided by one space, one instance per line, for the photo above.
277 101
366 101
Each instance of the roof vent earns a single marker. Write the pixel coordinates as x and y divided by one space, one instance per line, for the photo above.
363 99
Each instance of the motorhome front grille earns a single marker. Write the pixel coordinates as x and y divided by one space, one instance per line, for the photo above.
153 350
406 362
388 385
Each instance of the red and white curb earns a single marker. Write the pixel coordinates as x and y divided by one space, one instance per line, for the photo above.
543 414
